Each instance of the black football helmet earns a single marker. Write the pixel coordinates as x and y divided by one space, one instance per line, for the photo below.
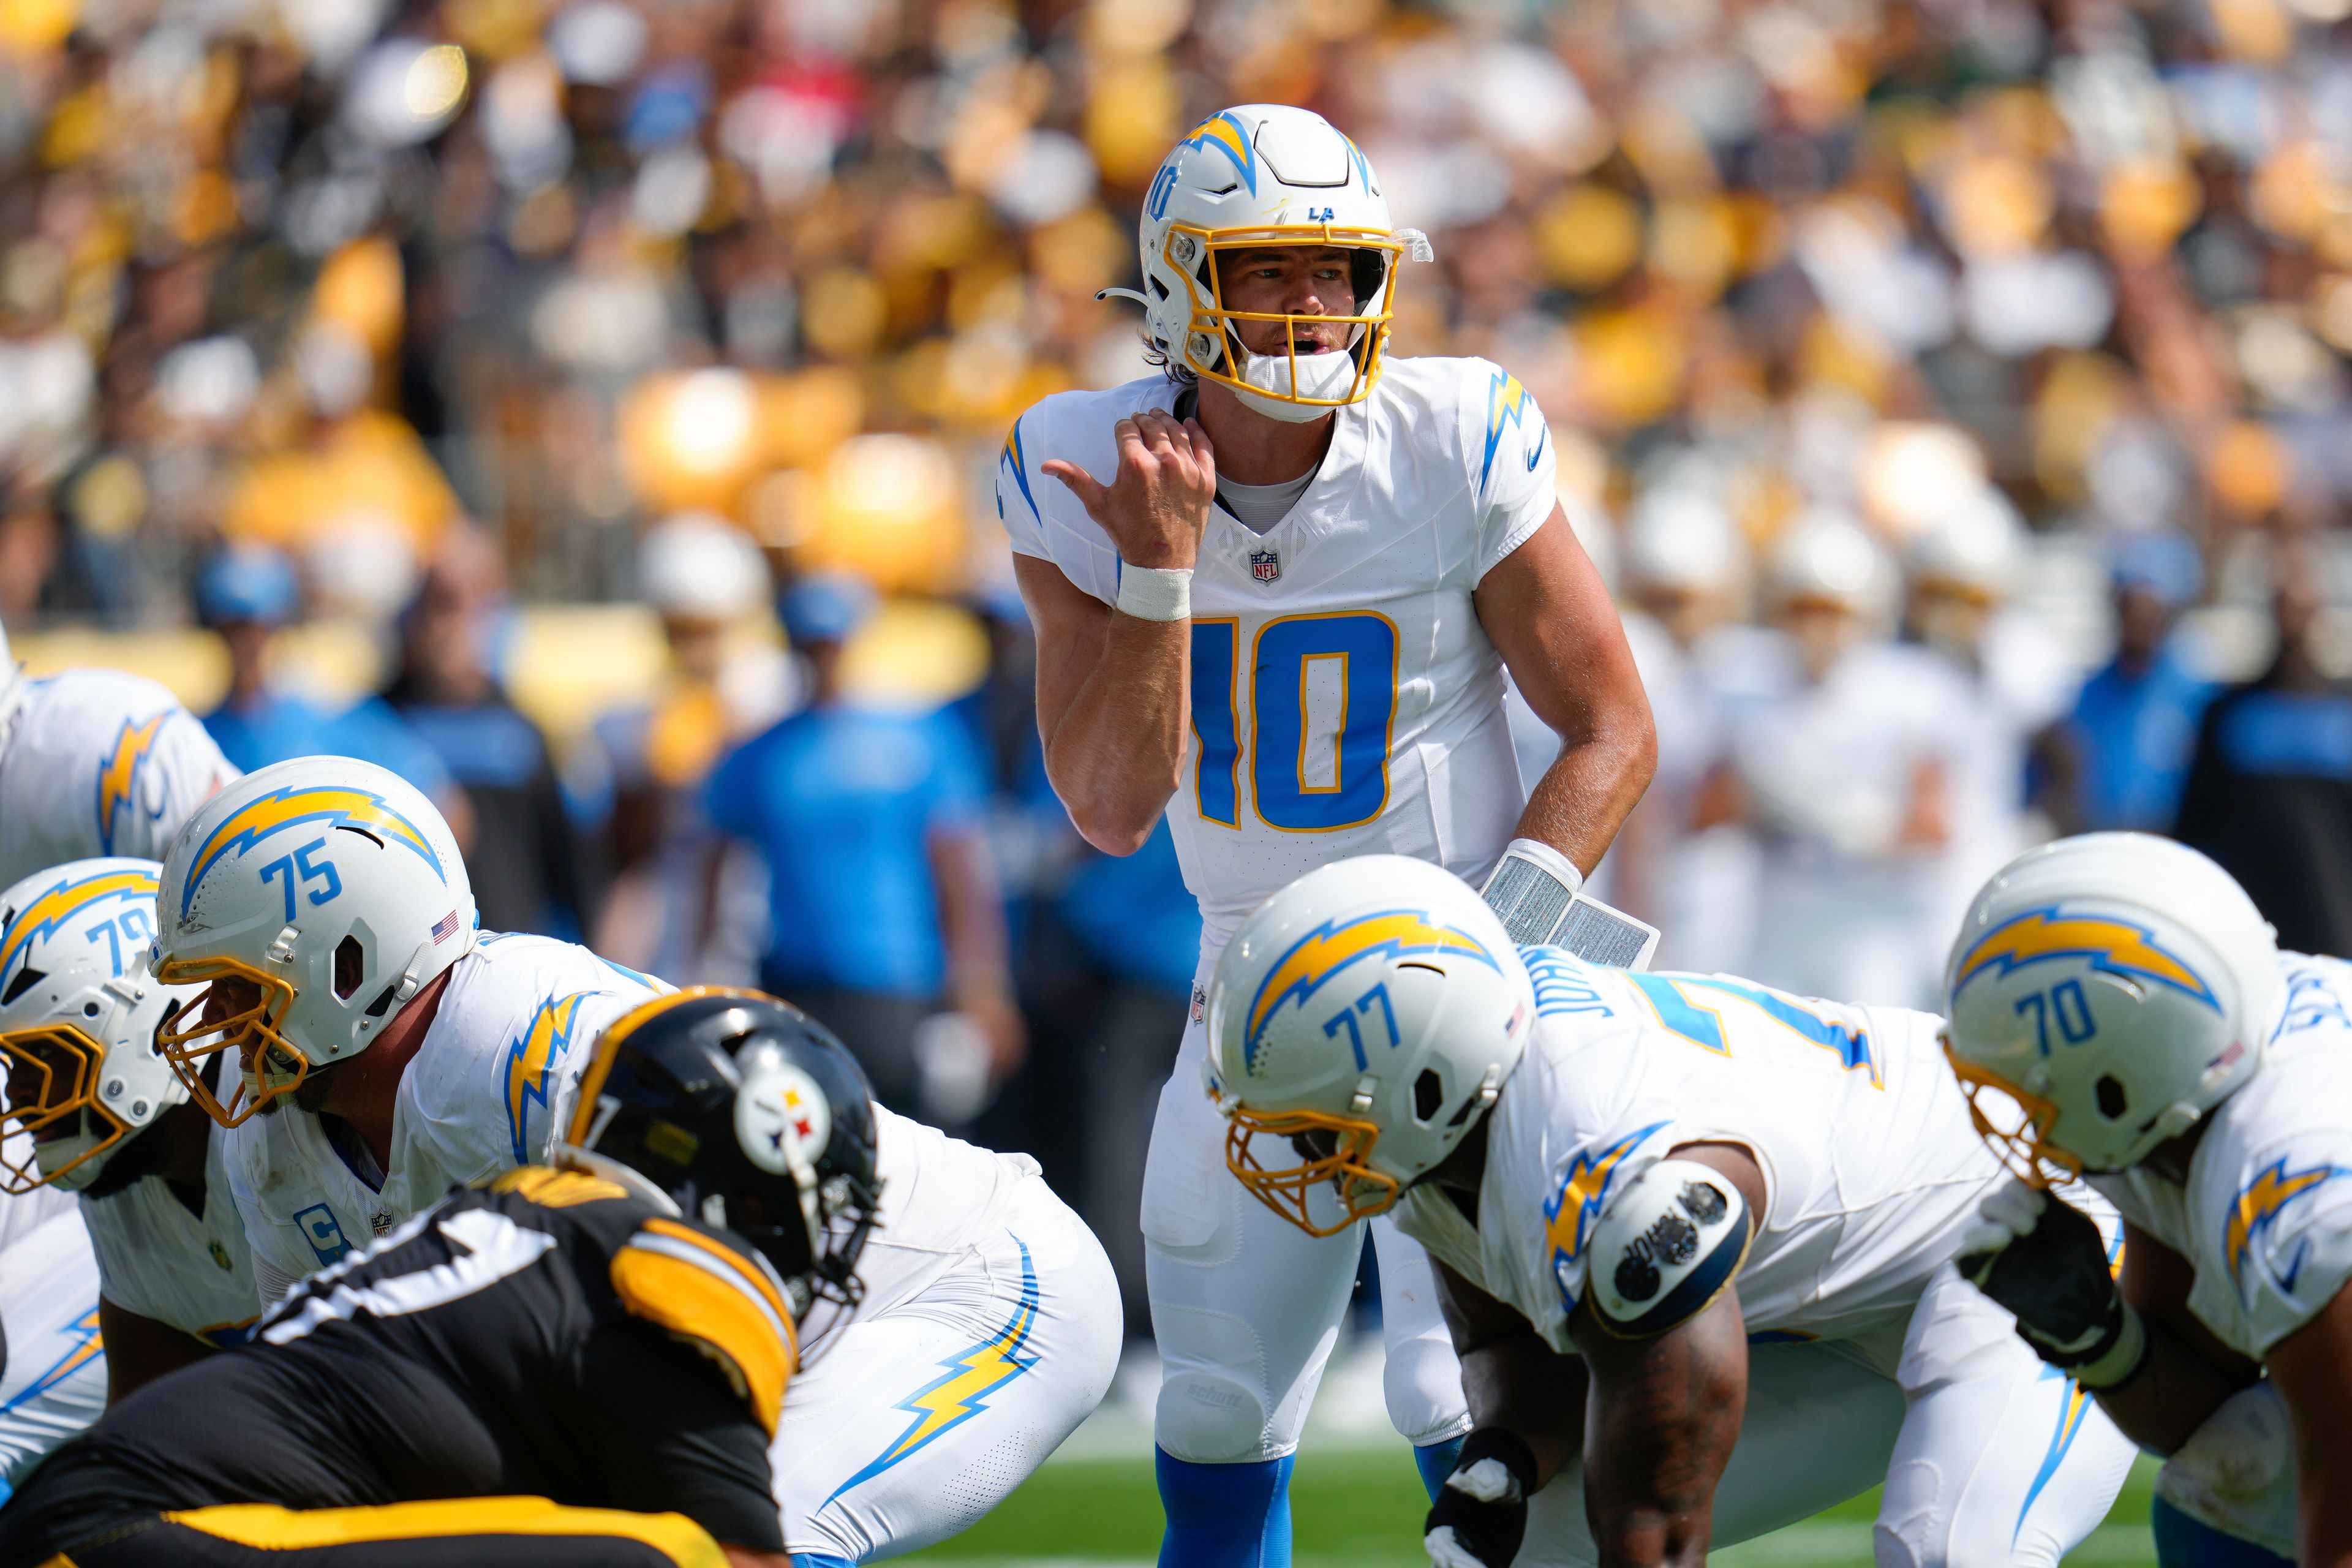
747 1114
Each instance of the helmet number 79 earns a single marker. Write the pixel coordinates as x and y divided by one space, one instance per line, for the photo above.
286 866
1347 1016
2066 1003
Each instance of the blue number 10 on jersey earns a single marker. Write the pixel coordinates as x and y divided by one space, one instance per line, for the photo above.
1350 770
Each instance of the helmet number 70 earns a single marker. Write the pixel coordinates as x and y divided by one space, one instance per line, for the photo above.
2066 1004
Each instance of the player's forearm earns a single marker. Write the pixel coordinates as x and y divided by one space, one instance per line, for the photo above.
1664 1417
1116 754
2170 1396
1592 787
139 1350
1523 1386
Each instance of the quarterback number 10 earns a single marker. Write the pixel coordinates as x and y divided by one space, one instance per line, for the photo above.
1351 771
2065 1005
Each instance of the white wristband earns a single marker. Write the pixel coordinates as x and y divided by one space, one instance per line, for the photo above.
1155 592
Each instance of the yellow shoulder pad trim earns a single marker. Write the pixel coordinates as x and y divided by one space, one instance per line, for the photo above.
554 1189
749 1271
712 1305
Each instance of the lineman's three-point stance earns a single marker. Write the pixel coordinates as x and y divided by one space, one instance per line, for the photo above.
1702 1224
1275 590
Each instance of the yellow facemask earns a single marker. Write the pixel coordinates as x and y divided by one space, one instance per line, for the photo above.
1192 252
52 1071
269 1064
2017 1125
1362 1191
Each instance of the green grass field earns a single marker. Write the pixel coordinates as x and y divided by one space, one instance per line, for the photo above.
1364 1510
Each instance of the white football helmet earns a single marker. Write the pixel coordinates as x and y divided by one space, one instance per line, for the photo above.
2117 988
1826 557
1267 175
78 1015
1365 1014
1680 540
316 896
1976 551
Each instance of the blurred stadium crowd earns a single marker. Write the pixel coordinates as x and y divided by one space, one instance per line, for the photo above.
1954 389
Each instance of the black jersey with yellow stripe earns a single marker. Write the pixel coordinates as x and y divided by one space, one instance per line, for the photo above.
543 1334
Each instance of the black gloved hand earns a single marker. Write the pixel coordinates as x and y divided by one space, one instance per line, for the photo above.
1481 1512
2045 1261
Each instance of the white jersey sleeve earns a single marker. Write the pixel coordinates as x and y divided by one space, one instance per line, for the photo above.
1871 1167
514 1030
187 1271
95 762
1345 699
53 1383
1516 482
2265 1219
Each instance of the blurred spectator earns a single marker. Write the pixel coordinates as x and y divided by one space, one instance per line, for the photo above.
1841 750
883 906
1687 573
249 594
706 579
528 870
1965 568
2121 760
2270 791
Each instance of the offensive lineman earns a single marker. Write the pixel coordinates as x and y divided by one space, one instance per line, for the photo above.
1702 1224
92 762
1276 597
107 1120
988 1325
614 1334
2125 990
384 1050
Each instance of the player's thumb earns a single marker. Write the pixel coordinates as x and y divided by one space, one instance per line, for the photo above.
1076 480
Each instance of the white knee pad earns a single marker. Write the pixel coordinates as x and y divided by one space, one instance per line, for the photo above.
1422 1385
1208 1419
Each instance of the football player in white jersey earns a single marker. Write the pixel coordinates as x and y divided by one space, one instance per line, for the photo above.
1706 1225
95 762
384 1050
1275 590
983 1326
52 1361
106 1119
2125 990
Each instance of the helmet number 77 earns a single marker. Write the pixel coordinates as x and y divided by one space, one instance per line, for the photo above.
1355 1036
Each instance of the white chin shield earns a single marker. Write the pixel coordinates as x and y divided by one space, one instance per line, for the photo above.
1328 376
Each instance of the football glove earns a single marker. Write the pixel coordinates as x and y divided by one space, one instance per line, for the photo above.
2046 1262
1481 1511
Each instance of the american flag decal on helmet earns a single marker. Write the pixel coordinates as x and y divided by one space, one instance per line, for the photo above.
444 928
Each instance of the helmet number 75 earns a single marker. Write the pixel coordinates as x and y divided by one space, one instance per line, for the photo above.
286 865
2066 1003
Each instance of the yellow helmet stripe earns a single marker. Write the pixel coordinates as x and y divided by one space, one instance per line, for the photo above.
334 803
2114 946
1332 946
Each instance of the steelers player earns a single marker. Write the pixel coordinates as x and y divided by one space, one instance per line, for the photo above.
1276 588
1694 1236
2126 992
575 1368
106 1120
376 1049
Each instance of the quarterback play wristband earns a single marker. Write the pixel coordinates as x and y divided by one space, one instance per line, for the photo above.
1155 592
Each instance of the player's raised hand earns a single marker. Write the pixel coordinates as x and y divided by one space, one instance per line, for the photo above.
1157 505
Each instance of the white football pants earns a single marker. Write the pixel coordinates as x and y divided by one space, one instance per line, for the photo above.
54 1382
1246 1307
1990 1457
915 1421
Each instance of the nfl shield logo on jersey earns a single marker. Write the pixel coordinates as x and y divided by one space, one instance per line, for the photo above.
1265 565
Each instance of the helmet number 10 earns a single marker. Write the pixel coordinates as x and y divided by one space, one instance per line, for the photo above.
288 865
2065 1005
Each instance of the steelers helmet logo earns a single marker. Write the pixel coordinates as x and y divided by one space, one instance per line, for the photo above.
782 1119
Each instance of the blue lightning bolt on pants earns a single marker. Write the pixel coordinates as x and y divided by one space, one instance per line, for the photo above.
911 1421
